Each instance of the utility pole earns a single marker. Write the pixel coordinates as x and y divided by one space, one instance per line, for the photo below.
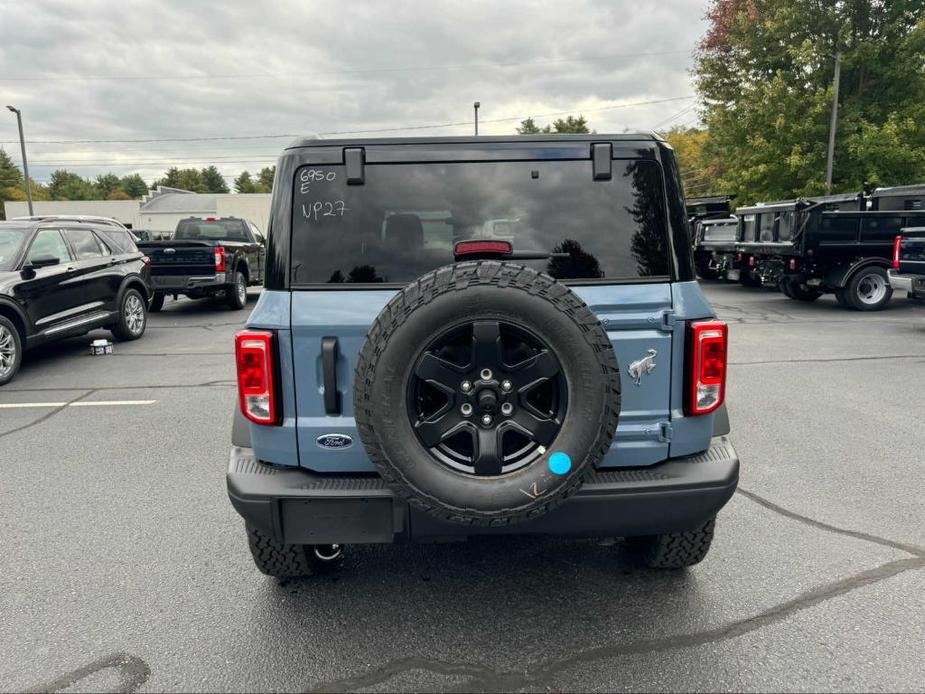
475 106
25 164
832 126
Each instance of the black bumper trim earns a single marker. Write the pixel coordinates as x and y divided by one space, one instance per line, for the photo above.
300 507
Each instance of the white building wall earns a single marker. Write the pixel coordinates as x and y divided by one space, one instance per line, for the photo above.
125 211
167 221
252 206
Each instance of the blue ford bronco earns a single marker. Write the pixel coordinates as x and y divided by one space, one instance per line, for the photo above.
479 336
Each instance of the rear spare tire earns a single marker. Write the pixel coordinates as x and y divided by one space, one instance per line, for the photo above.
486 392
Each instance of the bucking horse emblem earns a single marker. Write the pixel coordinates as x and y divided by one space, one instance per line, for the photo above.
641 367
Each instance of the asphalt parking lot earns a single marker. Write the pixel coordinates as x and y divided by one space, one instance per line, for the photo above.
125 568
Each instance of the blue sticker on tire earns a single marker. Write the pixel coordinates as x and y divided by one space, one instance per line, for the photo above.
560 463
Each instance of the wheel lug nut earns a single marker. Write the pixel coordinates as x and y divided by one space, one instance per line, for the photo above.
466 386
486 374
507 408
486 419
506 386
466 409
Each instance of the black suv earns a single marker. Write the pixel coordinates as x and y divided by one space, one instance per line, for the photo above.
65 277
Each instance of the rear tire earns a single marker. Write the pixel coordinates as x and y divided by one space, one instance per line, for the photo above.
286 561
784 286
236 294
674 550
869 289
796 291
133 317
10 350
157 302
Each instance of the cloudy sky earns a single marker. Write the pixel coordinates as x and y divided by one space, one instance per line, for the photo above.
264 72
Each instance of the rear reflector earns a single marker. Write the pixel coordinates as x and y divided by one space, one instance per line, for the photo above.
255 358
475 247
219 259
897 242
707 342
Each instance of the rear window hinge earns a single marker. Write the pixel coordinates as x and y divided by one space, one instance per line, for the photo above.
664 432
669 320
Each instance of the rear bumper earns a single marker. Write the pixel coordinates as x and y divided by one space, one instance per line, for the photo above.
914 284
179 283
300 507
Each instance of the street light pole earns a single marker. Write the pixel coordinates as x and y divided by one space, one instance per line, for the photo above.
475 106
832 126
25 164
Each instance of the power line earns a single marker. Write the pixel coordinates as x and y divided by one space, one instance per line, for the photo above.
356 132
348 71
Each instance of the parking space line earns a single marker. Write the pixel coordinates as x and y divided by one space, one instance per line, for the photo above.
92 403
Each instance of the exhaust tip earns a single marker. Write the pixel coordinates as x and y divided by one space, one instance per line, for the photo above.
328 552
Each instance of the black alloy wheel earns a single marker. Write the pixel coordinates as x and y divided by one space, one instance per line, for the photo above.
487 397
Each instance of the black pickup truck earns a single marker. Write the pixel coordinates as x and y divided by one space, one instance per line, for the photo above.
810 247
908 271
207 257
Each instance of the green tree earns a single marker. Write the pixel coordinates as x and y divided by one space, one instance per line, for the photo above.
213 180
764 70
264 182
134 185
570 124
66 185
106 184
185 179
244 183
11 180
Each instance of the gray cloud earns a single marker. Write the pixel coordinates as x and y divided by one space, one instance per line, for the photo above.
205 69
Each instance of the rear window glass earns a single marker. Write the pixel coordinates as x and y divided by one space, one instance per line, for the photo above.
84 243
720 231
211 230
118 240
406 218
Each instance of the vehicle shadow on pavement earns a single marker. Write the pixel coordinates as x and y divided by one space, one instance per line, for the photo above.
513 613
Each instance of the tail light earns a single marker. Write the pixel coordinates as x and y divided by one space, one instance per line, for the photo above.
255 358
793 263
146 260
707 342
219 259
897 242
751 261
739 257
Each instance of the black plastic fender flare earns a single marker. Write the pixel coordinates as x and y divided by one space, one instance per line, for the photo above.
840 276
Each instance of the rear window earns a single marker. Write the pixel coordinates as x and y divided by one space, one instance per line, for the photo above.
405 219
720 231
211 230
119 240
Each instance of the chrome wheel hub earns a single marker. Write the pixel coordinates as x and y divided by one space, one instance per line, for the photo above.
134 314
872 289
7 351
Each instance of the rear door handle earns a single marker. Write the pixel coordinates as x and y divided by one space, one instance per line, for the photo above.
329 369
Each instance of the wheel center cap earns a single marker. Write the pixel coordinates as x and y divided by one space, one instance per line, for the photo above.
488 400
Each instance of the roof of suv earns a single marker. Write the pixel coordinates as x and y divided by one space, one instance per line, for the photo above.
314 141
90 219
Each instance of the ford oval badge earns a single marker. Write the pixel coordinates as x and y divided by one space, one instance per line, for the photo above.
334 441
